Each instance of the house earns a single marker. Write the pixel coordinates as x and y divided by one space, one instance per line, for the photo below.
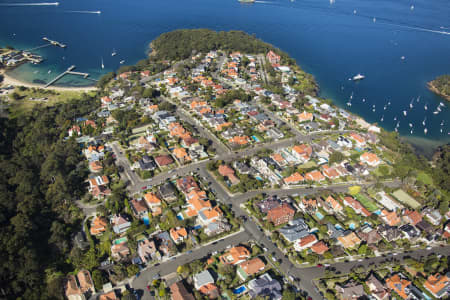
181 154
139 208
120 224
249 268
359 141
356 206
80 240
438 285
178 234
179 292
332 204
74 130
329 172
228 173
186 184
267 204
98 225
377 289
409 231
153 203
98 181
95 166
314 176
147 250
390 233
163 160
305 242
167 192
349 240
319 248
294 178
111 295
399 285
350 291
388 202
412 217
433 215
72 290
281 214
273 58
295 230
203 278
264 286
304 117
235 256
370 159
369 235
120 250
390 218
147 163
302 152
86 283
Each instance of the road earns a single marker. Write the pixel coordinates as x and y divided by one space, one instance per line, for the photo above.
170 266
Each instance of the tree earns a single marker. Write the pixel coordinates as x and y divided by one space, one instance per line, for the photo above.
362 250
132 270
98 279
354 190
336 157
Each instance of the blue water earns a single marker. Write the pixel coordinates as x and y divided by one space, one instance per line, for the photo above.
255 138
351 226
258 178
319 215
239 290
146 220
339 227
180 217
327 40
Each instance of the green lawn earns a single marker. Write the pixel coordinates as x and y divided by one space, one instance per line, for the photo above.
366 202
308 165
403 197
425 178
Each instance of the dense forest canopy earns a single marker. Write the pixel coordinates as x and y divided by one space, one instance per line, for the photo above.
442 85
181 44
42 175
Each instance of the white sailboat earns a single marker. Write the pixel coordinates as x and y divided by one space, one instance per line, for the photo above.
410 125
442 123
349 103
395 118
384 108
418 99
121 62
389 103
114 53
411 104
364 100
435 112
404 113
411 132
426 106
423 122
382 118
425 131
441 104
103 66
440 130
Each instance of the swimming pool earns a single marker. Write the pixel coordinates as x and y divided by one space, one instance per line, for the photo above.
240 290
180 217
352 226
258 178
146 220
255 138
319 215
120 241
339 227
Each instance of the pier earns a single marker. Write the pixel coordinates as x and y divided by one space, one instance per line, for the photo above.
68 71
54 43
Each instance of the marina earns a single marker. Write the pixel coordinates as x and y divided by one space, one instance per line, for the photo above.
68 71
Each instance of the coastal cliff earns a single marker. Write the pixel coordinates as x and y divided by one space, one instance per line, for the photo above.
441 86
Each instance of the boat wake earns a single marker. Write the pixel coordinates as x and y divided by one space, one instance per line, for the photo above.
31 4
265 2
84 11
416 28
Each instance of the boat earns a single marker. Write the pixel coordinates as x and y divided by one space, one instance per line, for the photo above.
49 71
435 112
418 99
247 1
411 131
354 11
440 130
374 20
402 58
441 104
358 77
382 118
384 108
442 123
395 118
121 62
410 125
425 131
404 113
373 110
426 107
351 96
349 103
423 122
114 53
389 103
364 99
438 109
396 130
411 104
398 125
103 66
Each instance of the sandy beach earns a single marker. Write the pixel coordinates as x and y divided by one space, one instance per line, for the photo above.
8 80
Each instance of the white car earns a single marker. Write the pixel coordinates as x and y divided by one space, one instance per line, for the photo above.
429 248
394 254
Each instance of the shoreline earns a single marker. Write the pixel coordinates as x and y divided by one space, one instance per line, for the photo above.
432 88
9 80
